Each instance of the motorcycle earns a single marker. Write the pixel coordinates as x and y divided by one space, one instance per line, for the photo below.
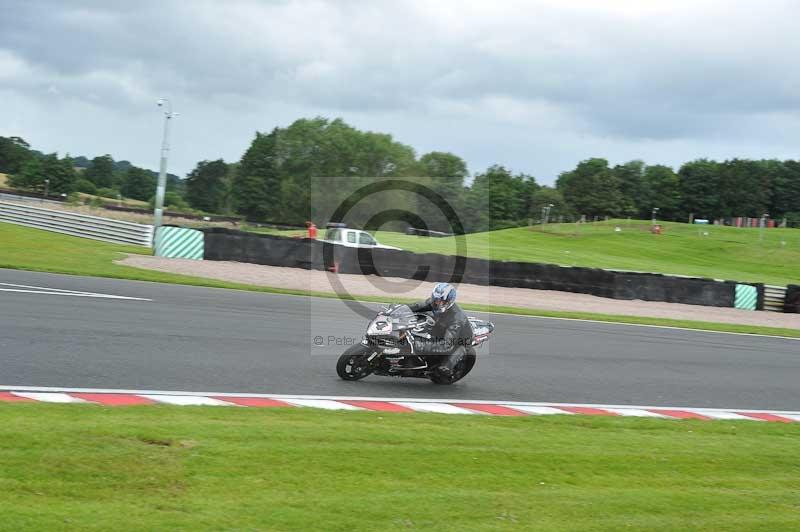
388 348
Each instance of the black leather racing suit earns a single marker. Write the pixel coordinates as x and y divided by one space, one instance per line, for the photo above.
450 335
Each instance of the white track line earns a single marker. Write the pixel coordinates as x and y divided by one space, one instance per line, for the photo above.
45 288
95 296
42 290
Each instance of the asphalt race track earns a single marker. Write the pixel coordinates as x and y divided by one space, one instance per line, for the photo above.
211 340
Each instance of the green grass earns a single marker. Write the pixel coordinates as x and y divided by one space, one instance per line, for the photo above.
726 253
198 468
24 248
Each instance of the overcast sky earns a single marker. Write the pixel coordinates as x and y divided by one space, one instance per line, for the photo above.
536 86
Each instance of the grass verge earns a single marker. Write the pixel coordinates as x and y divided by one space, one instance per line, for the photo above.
197 468
25 248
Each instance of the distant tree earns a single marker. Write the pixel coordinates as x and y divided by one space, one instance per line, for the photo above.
14 153
744 188
81 162
545 196
444 166
786 190
699 183
205 185
446 173
62 174
661 189
257 185
230 178
85 186
311 149
107 192
31 176
176 184
137 183
498 199
592 189
282 170
172 200
38 170
101 171
122 166
631 186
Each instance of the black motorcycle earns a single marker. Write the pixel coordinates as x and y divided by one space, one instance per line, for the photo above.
388 348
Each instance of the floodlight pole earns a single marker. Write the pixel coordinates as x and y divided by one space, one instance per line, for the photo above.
162 173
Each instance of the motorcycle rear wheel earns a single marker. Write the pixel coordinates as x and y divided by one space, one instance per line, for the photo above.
353 364
459 372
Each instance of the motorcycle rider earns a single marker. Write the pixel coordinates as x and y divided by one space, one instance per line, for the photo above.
452 332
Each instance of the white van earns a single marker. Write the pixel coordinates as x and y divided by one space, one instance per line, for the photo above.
353 238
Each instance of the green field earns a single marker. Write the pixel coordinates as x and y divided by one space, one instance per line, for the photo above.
24 248
84 467
724 253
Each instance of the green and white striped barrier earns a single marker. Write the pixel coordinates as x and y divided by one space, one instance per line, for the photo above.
746 297
179 243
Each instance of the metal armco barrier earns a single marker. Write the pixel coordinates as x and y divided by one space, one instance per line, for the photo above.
179 243
74 224
746 297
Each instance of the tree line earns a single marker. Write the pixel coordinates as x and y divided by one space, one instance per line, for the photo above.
35 171
286 175
280 173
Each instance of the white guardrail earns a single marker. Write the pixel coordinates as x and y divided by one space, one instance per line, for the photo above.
82 225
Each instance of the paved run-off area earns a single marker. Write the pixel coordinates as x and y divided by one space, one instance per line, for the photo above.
318 281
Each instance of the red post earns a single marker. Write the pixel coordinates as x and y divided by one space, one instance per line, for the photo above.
312 230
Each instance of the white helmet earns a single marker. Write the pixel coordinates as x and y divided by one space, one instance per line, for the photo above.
442 298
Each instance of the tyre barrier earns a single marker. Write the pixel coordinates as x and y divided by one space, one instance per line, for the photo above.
792 302
271 250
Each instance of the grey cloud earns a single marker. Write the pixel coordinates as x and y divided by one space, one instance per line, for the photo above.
589 72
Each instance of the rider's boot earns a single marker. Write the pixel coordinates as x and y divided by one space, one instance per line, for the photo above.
448 365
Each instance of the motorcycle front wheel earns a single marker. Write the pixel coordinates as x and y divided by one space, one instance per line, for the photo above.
353 364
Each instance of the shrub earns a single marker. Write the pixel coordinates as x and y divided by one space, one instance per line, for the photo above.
173 201
107 192
85 186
